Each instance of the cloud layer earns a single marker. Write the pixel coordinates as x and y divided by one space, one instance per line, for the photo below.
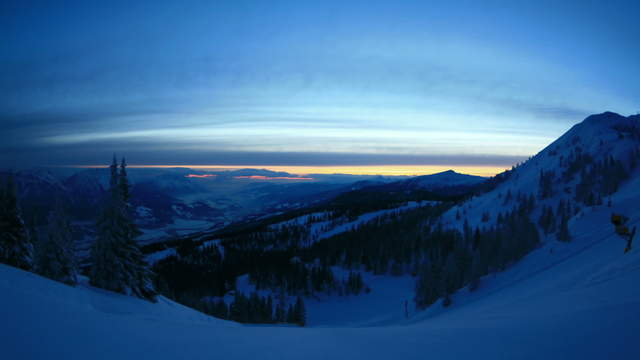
303 83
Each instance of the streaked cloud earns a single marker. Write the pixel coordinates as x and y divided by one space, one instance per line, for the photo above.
302 83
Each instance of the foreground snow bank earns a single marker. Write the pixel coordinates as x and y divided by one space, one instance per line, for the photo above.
586 307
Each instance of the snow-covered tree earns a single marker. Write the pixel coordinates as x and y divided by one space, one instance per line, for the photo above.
16 248
118 264
55 249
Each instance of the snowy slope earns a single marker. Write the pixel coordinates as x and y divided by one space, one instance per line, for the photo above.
585 306
580 300
596 136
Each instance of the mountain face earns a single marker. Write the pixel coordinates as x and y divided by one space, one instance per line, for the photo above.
584 167
447 243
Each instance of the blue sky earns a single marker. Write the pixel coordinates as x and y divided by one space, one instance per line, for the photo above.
308 83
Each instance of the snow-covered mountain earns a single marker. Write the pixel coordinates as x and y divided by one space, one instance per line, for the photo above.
584 167
574 298
564 301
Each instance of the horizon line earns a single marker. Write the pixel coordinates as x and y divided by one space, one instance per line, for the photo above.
383 170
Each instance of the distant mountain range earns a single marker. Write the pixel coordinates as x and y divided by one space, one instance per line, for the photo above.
177 201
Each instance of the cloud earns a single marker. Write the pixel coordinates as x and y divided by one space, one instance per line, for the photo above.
80 154
296 82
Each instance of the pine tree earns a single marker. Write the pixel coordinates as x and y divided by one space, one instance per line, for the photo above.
300 313
55 250
476 271
268 309
281 309
280 315
508 198
118 264
16 248
451 278
236 308
563 233
291 315
221 310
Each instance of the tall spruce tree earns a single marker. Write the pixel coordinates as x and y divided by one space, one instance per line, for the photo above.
16 248
55 249
299 312
564 234
118 264
280 313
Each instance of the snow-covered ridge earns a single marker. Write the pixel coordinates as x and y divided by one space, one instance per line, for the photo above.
322 226
598 137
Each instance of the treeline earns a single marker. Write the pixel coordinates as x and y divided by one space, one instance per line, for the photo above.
457 259
117 264
253 309
202 271
599 180
261 310
557 221
392 243
48 251
274 260
388 196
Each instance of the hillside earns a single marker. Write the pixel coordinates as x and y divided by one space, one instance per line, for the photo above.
581 301
570 168
531 268
374 234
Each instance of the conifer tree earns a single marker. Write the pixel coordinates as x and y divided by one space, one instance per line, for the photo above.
563 233
55 249
118 264
16 248
299 312
280 313
268 309
451 278
291 315
476 271
221 310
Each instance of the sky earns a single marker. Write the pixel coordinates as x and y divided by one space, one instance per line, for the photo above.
358 86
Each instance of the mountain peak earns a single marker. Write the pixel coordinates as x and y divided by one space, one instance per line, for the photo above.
594 127
607 116
448 178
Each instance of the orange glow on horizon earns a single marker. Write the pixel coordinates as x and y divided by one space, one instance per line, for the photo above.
261 177
200 176
388 170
